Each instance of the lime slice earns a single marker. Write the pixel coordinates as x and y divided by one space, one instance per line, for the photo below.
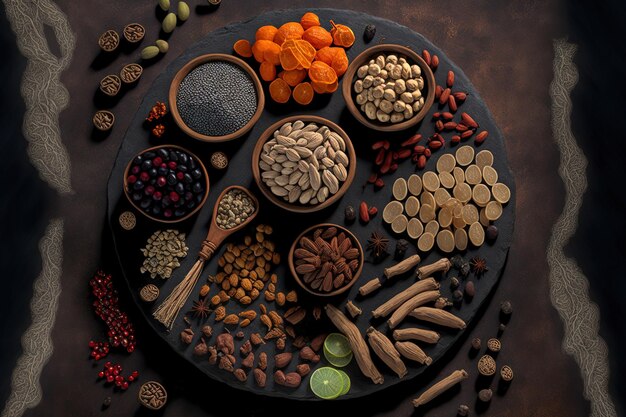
346 382
338 361
337 345
326 383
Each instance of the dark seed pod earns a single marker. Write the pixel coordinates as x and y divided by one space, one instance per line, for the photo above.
401 247
470 289
485 395
350 214
501 328
476 343
463 410
491 233
369 33
506 308
464 270
107 402
457 295
454 282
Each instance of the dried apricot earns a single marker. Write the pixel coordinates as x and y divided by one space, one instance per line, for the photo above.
294 77
331 88
303 93
272 53
342 35
267 71
307 50
266 33
318 37
290 30
327 54
259 48
318 87
309 19
321 72
280 91
288 59
243 48
340 62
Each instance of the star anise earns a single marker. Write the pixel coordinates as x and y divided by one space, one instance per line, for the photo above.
377 243
479 265
201 309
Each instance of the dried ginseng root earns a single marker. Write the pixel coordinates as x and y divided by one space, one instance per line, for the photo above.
385 350
411 305
397 300
413 352
438 316
413 333
440 387
357 343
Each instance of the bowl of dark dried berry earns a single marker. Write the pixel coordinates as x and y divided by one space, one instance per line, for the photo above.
166 183
216 98
326 259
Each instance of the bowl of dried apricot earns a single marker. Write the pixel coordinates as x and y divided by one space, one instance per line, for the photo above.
389 88
299 59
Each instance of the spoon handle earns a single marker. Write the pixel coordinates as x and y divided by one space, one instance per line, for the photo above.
207 250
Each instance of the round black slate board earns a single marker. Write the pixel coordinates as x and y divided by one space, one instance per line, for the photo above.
288 225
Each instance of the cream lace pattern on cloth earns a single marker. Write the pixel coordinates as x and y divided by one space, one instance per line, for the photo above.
37 340
568 286
44 95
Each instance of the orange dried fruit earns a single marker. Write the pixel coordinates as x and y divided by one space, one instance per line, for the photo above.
321 72
290 30
340 62
342 35
294 77
309 19
303 93
280 91
266 33
307 50
318 37
331 88
288 59
272 53
242 48
267 71
327 54
318 88
259 48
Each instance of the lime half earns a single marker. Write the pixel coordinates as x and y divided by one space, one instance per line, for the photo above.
326 383
346 382
338 361
337 345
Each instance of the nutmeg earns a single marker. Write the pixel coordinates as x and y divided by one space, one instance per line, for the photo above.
282 359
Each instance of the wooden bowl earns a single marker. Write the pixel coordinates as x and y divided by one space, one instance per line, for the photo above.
363 58
355 276
299 208
188 215
186 69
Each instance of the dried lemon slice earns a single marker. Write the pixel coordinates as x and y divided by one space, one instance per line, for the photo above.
481 195
473 175
459 175
445 241
425 242
484 158
445 217
430 181
483 217
493 210
470 214
476 234
460 239
392 210
427 199
399 224
414 228
441 196
446 163
432 227
414 184
427 213
464 155
400 189
447 180
490 175
462 192
412 206
501 193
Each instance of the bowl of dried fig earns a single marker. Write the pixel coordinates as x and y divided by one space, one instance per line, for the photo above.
326 259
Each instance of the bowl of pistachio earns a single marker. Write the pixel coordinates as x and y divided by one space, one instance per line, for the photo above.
304 163
389 88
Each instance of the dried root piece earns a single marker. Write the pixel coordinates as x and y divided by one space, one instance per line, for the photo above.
437 316
357 343
413 352
369 287
397 300
385 350
402 266
410 305
353 309
413 333
440 387
442 265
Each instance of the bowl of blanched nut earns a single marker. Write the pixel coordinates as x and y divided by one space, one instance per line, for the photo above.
389 88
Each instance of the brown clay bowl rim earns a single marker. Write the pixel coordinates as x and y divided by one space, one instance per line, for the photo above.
202 59
297 208
188 215
355 276
429 85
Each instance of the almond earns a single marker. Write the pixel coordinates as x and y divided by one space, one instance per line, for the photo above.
260 377
231 319
450 79
303 369
281 360
292 380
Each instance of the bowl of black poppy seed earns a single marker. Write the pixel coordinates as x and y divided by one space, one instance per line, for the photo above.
216 98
